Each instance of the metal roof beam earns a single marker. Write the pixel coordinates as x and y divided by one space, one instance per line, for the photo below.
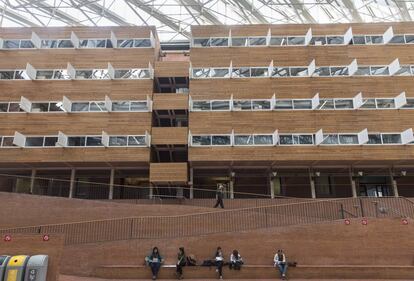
17 18
195 5
350 6
402 6
251 9
301 10
102 11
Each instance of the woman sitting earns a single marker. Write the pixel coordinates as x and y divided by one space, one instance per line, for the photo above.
154 260
236 260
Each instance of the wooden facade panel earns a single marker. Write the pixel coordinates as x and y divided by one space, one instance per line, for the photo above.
303 154
168 172
75 90
76 123
169 135
301 121
172 68
301 87
166 101
68 155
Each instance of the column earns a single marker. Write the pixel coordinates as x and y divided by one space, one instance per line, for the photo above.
111 184
231 186
72 183
353 185
191 183
394 184
272 186
312 185
32 181
151 191
180 192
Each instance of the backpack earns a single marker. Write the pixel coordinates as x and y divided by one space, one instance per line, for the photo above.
191 260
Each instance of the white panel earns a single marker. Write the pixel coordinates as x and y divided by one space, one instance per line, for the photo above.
25 104
149 103
74 39
270 69
230 41
37 42
308 37
394 66
388 34
62 140
190 138
108 103
231 103
114 40
232 138
190 103
353 67
152 39
190 69
407 136
147 139
19 139
231 68
1 43
312 67
363 136
268 36
105 139
71 71
358 101
30 71
348 36
111 71
66 104
273 102
275 137
400 100
319 137
315 101
151 69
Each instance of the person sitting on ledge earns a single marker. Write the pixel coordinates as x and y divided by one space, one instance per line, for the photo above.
154 260
281 263
219 260
181 261
236 260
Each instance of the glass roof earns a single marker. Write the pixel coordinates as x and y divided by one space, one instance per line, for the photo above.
173 18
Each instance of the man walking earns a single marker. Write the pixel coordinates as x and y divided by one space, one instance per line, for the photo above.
219 195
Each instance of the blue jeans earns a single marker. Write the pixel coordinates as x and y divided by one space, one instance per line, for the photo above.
282 268
155 267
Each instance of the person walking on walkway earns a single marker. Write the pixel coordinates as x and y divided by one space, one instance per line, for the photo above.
220 195
181 261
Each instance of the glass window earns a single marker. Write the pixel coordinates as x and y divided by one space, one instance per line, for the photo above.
94 141
61 74
403 71
263 139
118 141
348 139
201 42
220 140
362 71
201 72
369 103
280 72
93 43
339 71
125 43
139 106
26 44
344 104
409 39
49 44
303 139
201 105
239 42
397 39
259 72
142 43
100 74
302 104
4 106
358 40
322 71
409 104
80 106
34 141
120 106
284 104
241 72
65 44
8 141
243 140
7 74
285 139
257 41
50 141
21 74
379 70
374 139
83 74
318 40
261 105
391 138
299 71
330 139
136 141
385 103
201 140
242 105
219 42
40 107
53 107
220 72
335 40
326 104
97 106
296 40
15 107
278 41
220 105
44 74
11 44
76 141
375 39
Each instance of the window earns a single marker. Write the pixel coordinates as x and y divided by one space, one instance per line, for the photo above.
335 40
259 72
299 71
56 43
142 43
95 43
120 106
241 72
34 141
50 141
26 44
239 41
391 138
253 140
220 140
280 72
8 142
15 107
284 104
322 71
97 106
326 104
125 43
303 139
348 139
11 44
409 39
344 104
76 141
136 141
257 41
61 74
296 40
385 103
339 71
302 104
243 140
379 70
261 105
374 39
242 105
285 139
201 42
40 107
330 139
220 72
94 141
403 71
358 40
363 71
397 39
139 106
374 139
220 105
80 107
369 104
118 141
201 140
134 73
318 41
6 75
44 74
201 72
409 104
219 42
4 106
263 139
278 41
201 105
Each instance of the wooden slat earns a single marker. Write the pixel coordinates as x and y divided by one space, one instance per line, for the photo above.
168 172
169 135
172 68
166 101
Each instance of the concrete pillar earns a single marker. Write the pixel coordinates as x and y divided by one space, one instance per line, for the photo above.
111 184
272 187
312 185
353 185
394 185
151 191
72 183
231 187
32 181
191 183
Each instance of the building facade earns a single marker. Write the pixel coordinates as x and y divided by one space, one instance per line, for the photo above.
317 111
